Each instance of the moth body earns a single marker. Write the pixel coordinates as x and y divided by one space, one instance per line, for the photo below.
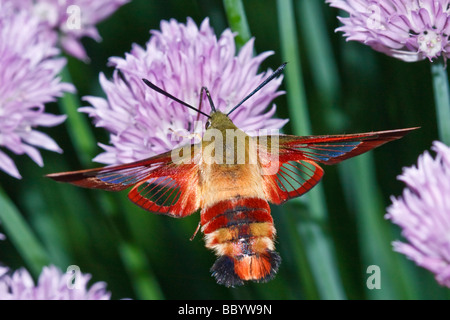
235 215
230 177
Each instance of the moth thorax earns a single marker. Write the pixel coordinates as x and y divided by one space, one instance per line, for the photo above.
229 146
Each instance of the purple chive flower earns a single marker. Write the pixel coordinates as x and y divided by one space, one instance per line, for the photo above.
181 58
409 30
423 213
51 285
72 19
28 79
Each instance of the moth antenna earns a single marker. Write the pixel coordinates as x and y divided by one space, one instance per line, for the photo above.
208 95
275 74
165 93
122 77
124 80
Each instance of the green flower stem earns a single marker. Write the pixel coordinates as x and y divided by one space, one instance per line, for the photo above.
363 195
324 70
21 235
79 130
144 282
132 252
237 21
296 94
313 29
319 249
441 99
357 175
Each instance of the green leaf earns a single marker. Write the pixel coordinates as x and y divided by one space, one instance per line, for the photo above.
319 249
79 129
144 282
21 235
237 21
442 99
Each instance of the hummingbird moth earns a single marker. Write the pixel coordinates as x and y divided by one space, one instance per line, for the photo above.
231 181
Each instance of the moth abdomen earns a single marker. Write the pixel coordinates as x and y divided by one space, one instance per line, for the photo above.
241 233
233 271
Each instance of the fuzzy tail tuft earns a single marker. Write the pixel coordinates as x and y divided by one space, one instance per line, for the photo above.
233 271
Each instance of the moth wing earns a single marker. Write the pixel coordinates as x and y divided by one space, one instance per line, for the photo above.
159 184
289 163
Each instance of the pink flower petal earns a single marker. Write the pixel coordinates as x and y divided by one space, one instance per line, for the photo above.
29 72
51 285
394 27
7 165
423 213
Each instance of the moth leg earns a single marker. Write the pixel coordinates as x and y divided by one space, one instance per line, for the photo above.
195 233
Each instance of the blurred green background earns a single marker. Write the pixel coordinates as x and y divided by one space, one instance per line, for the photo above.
327 239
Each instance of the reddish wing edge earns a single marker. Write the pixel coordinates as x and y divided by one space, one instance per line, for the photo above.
159 185
297 157
89 178
332 149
